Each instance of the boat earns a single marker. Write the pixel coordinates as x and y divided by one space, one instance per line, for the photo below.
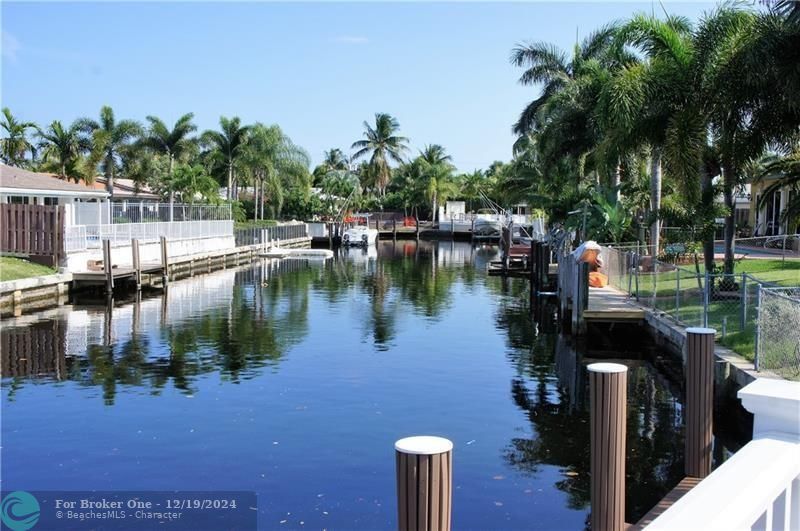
277 252
359 235
487 227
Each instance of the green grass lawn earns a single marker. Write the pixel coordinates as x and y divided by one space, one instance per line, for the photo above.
14 268
682 298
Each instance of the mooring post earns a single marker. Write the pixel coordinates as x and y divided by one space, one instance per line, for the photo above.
164 261
424 483
137 266
608 395
532 272
394 229
472 229
677 290
699 400
107 268
416 226
330 235
544 265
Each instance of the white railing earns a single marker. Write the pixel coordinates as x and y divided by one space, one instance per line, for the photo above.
140 212
82 237
759 487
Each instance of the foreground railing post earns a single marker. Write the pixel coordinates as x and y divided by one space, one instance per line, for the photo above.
424 483
608 391
699 401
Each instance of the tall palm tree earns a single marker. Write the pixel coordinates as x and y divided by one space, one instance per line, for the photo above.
110 137
15 143
175 143
333 160
383 143
654 98
437 171
473 186
63 147
547 65
276 164
227 147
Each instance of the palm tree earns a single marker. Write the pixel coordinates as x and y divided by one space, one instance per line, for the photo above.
437 171
473 187
383 144
175 143
275 163
63 147
547 65
227 147
15 143
109 137
654 100
333 160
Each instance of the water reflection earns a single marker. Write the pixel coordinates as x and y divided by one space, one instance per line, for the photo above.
374 344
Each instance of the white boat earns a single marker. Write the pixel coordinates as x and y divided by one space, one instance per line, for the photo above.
277 252
486 227
360 235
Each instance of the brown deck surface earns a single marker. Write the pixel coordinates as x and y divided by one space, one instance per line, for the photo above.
611 305
674 495
116 272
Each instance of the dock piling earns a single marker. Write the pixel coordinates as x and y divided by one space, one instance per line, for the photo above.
424 483
137 265
699 400
608 395
107 268
164 261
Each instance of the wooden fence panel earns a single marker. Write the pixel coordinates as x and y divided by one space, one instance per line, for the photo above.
32 230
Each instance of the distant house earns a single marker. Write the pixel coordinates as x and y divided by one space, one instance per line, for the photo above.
766 219
35 188
86 203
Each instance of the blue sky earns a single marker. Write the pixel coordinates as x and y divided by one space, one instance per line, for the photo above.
317 70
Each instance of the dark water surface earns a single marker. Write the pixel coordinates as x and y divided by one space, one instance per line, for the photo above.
294 379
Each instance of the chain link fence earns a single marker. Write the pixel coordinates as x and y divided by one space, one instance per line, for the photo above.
778 335
729 303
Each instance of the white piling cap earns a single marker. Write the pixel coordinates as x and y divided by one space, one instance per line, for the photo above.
607 367
423 445
700 330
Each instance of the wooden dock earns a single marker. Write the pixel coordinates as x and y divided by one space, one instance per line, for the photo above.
686 484
91 278
609 305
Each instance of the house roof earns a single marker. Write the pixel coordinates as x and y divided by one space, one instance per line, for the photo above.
23 181
17 180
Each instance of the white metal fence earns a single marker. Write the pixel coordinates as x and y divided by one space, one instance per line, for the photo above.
93 213
82 237
276 234
139 212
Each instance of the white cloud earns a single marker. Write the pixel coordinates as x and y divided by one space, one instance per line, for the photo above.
10 46
351 39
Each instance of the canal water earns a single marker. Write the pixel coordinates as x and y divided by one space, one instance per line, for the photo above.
293 379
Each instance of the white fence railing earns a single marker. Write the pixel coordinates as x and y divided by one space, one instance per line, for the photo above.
759 487
138 212
82 237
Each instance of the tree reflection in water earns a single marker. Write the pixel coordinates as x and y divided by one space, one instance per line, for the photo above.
551 387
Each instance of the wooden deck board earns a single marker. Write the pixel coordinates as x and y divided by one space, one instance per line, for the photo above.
666 502
611 305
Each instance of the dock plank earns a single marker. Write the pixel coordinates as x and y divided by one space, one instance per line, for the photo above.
611 305
685 485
